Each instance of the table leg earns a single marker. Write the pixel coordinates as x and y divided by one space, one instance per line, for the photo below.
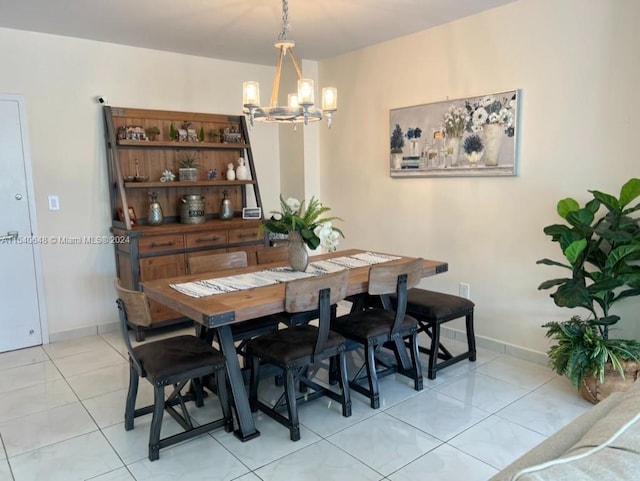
247 428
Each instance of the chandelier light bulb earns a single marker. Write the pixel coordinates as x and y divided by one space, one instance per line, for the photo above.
251 94
330 99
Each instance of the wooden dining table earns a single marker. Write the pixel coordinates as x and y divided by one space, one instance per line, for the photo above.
219 311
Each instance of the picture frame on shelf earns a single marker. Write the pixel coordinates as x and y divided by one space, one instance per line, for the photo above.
132 215
465 137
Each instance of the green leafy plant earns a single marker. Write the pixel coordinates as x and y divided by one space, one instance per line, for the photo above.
152 132
314 229
581 350
188 161
601 253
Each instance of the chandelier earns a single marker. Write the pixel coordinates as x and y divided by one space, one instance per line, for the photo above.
301 105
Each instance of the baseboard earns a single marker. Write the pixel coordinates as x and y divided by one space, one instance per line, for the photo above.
82 332
494 345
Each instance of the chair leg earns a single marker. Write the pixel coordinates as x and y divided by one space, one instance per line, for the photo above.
156 422
292 405
225 402
196 388
344 384
372 375
471 337
415 360
254 364
433 355
129 411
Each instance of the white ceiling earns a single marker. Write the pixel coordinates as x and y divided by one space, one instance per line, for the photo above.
240 30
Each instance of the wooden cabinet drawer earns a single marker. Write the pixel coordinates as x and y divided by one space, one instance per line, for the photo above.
161 243
206 239
243 235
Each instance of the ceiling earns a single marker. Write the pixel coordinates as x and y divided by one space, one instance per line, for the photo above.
240 30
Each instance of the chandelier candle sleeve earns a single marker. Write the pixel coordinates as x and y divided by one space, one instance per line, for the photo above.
251 94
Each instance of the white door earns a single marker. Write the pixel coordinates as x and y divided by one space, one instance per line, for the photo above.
20 298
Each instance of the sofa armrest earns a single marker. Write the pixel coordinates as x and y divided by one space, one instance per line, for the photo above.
557 444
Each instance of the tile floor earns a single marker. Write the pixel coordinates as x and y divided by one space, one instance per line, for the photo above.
61 410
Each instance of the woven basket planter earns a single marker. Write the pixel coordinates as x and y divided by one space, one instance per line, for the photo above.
594 391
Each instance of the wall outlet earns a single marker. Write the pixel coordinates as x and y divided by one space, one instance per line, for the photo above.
465 290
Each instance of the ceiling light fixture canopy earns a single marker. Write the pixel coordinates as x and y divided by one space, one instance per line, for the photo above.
300 107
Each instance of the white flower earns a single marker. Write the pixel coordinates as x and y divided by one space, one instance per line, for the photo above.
479 116
328 236
293 204
494 118
488 100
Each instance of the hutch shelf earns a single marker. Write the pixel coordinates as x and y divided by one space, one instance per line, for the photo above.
136 165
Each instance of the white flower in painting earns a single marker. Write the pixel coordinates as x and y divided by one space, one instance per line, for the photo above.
488 100
479 116
494 118
475 128
293 204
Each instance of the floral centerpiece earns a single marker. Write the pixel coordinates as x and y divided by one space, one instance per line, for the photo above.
454 121
308 222
490 110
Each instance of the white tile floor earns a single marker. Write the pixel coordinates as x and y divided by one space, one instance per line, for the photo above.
61 411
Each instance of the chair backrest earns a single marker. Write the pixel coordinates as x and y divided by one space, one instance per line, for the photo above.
395 278
135 304
217 262
134 309
318 292
273 254
383 279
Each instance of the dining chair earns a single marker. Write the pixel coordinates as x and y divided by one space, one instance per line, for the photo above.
376 327
270 255
273 254
172 361
298 350
243 331
216 262
432 309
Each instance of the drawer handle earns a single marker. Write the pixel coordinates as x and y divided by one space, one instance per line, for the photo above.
162 244
208 239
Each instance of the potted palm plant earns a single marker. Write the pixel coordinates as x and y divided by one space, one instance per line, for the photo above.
601 246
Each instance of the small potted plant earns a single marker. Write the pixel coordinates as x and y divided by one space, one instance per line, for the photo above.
214 135
397 142
602 253
188 170
152 132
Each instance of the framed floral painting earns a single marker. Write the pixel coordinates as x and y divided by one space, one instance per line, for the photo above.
475 136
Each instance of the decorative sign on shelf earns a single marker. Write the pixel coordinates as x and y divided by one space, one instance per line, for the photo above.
476 136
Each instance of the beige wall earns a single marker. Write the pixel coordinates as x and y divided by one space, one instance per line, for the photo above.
60 78
576 62
578 65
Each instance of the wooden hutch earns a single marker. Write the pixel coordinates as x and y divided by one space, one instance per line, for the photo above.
136 165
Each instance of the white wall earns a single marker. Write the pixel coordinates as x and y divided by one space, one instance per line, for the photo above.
60 78
578 65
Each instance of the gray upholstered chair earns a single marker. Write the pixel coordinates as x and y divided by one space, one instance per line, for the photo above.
173 361
297 349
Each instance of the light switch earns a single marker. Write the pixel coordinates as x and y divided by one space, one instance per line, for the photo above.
54 202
